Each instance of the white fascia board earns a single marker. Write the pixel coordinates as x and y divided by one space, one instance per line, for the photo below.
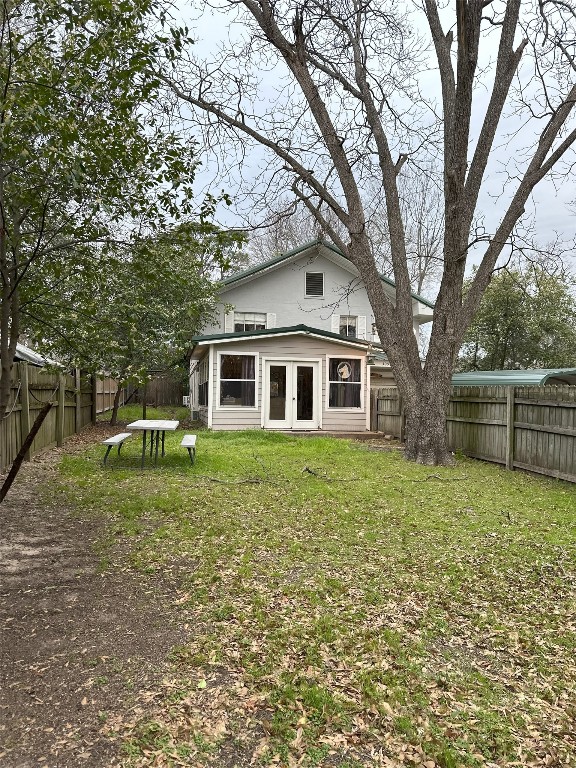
315 249
422 313
225 340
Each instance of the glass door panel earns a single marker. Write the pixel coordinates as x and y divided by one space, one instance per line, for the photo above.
277 410
290 396
304 393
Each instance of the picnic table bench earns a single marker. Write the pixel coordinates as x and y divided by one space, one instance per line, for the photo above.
189 442
115 440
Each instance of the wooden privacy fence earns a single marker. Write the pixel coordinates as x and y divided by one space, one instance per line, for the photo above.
531 428
164 389
76 399
161 389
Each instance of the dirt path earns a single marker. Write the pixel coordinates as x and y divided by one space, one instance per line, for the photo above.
78 645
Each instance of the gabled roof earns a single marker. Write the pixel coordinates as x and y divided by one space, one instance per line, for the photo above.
515 378
292 330
282 257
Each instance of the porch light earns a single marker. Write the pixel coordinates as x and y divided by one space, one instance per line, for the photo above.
370 360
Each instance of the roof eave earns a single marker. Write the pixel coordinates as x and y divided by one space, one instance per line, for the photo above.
268 266
298 330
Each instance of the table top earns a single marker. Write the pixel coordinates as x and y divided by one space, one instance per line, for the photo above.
164 425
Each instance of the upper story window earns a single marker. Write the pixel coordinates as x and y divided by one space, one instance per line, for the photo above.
348 326
315 284
353 326
249 321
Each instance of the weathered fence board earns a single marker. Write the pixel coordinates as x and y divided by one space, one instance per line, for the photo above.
74 407
385 411
530 428
161 389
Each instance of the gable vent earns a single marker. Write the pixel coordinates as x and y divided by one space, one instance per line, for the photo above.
314 284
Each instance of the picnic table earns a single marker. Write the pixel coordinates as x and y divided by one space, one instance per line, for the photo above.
155 427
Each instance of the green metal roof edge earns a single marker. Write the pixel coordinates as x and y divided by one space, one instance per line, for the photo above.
284 330
300 249
520 377
276 260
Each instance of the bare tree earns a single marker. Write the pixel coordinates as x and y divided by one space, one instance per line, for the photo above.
422 206
422 209
350 106
281 231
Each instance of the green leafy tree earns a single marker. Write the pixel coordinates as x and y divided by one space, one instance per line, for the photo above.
83 163
527 319
136 309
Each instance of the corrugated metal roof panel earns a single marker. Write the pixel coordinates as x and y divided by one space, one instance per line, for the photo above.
515 378
27 355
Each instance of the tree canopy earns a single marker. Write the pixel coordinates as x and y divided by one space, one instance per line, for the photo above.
84 163
135 308
527 319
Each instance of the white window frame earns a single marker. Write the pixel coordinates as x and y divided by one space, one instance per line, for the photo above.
254 315
315 296
241 408
204 368
351 409
356 324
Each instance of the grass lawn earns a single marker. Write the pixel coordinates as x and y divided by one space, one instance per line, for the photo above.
346 608
133 412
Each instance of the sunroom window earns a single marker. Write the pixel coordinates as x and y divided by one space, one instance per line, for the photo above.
203 382
249 321
238 380
344 380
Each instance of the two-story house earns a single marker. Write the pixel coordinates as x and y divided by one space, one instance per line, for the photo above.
293 346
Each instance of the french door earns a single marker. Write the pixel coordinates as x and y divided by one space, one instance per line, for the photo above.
291 398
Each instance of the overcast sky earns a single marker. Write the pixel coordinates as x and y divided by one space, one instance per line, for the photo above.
549 208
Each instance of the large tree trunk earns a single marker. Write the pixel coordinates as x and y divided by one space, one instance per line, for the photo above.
426 436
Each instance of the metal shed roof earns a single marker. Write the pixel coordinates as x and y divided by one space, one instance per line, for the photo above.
515 378
27 355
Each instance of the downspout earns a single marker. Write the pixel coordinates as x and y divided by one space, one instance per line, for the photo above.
212 378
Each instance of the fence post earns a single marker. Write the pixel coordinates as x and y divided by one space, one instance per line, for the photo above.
94 403
60 411
78 399
373 411
25 425
402 418
510 393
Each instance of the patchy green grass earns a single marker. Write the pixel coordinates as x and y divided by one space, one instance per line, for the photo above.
132 412
346 608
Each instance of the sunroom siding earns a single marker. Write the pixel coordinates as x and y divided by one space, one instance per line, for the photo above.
290 348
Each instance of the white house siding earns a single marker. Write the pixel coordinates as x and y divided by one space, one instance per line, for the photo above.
382 377
296 347
281 292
